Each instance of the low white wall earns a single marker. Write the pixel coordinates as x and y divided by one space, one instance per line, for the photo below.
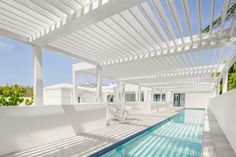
26 127
224 109
197 99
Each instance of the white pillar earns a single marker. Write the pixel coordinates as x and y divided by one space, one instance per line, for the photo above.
38 75
75 86
139 94
214 91
146 96
225 82
152 93
99 84
168 96
117 92
122 86
136 95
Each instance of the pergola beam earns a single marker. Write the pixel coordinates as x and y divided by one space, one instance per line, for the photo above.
182 74
200 42
14 36
70 54
109 9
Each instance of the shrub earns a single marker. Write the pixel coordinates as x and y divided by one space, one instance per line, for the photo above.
11 95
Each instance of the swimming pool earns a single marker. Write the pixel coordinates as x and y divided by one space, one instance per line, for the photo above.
181 136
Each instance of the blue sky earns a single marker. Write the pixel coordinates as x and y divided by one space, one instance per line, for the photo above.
16 65
16 57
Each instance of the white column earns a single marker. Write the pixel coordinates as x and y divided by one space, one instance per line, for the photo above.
168 96
214 91
38 75
117 92
75 86
136 95
225 82
146 96
152 93
122 86
139 94
99 84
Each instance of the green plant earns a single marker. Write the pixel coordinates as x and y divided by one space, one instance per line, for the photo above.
29 101
232 77
11 95
217 22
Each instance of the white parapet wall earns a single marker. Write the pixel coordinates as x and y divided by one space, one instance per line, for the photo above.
197 99
26 127
224 109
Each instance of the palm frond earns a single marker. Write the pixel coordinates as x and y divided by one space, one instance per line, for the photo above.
217 22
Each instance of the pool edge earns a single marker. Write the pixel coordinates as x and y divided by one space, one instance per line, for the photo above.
111 147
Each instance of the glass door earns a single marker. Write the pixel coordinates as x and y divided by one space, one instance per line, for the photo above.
179 100
176 100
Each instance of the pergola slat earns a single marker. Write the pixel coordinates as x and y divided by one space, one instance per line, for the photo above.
136 40
223 17
187 15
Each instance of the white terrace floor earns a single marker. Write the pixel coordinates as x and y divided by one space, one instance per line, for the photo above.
215 143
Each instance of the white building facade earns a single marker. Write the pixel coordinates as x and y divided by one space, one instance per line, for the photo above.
62 94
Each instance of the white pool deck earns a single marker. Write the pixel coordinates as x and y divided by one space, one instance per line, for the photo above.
215 143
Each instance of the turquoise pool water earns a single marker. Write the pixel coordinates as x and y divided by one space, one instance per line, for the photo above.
179 137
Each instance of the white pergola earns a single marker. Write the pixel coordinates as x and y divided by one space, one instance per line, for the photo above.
145 42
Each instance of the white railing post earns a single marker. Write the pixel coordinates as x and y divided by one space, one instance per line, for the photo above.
123 100
38 75
225 82
117 92
99 84
75 86
139 93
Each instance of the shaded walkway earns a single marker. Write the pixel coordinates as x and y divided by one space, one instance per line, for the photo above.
215 143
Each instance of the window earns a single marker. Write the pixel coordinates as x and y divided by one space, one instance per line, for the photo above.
157 97
163 97
110 98
129 97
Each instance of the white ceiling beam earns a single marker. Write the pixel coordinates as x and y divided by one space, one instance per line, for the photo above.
73 55
189 82
151 17
176 18
212 16
199 16
204 44
107 10
165 20
14 36
189 72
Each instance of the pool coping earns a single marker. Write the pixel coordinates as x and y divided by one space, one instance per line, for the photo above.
111 147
